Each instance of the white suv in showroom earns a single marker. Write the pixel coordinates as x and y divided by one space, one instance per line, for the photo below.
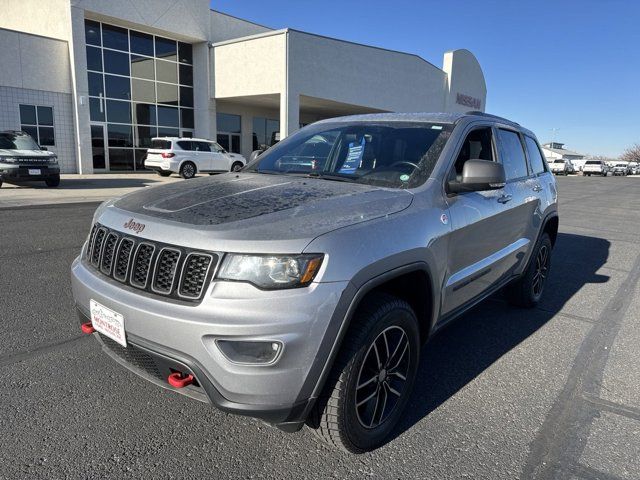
188 156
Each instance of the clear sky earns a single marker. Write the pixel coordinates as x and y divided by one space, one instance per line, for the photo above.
570 65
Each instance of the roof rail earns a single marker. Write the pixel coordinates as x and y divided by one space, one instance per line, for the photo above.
483 114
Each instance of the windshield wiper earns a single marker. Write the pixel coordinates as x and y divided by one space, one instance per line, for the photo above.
328 176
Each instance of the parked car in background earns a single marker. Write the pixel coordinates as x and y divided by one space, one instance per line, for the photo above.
189 156
634 168
301 291
561 167
23 160
620 169
595 167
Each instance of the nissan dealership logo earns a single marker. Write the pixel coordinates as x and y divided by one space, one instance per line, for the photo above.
468 101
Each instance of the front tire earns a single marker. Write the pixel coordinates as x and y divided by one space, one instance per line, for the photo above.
527 291
188 170
53 181
372 378
237 166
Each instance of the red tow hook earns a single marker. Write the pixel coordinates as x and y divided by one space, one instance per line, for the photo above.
179 380
87 328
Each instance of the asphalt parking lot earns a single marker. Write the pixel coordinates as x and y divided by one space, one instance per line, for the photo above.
547 393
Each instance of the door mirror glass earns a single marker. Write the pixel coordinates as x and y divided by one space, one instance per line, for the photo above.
479 175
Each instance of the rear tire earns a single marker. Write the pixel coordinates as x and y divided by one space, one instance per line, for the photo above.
527 290
53 181
162 173
236 167
377 363
188 170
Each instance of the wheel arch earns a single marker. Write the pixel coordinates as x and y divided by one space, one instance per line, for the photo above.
352 297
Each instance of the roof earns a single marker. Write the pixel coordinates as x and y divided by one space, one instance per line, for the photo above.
563 151
438 117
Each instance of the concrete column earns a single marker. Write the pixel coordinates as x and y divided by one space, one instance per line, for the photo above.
80 85
204 105
289 114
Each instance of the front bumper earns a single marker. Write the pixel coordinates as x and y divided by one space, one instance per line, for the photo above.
20 173
186 334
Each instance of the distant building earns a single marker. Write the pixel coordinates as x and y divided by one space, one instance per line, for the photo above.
555 151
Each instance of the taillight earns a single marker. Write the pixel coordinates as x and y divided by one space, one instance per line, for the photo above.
168 155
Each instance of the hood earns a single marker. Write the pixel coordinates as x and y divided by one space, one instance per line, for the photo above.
253 207
25 153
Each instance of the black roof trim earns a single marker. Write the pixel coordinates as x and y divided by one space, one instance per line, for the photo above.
478 113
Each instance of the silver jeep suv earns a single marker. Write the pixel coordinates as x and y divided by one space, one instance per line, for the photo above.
302 288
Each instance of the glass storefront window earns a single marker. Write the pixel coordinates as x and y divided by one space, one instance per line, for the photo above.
142 67
186 74
117 87
118 112
141 43
94 59
228 122
115 37
167 94
145 114
92 33
264 130
166 48
96 109
186 118
143 91
120 135
185 53
168 116
141 85
96 84
186 97
166 71
116 62
121 158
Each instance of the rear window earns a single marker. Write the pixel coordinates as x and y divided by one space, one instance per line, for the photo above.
161 144
512 154
558 161
593 162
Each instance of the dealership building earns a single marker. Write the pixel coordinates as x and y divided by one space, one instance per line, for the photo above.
95 80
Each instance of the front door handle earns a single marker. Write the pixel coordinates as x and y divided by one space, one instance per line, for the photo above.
505 198
537 188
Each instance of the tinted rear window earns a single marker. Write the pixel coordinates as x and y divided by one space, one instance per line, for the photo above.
161 144
512 154
593 162
535 157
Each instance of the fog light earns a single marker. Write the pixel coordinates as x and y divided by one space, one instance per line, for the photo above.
250 352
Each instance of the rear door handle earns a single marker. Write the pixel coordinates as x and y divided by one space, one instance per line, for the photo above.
537 188
505 198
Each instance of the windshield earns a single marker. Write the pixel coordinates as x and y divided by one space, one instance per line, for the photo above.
593 162
558 161
389 154
12 141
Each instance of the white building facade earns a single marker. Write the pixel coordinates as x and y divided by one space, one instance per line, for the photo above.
94 81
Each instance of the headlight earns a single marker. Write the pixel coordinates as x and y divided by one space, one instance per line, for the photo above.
271 272
8 159
53 159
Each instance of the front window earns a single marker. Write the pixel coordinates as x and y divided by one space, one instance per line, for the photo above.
11 141
390 154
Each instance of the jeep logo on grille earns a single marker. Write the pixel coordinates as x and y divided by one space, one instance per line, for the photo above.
135 226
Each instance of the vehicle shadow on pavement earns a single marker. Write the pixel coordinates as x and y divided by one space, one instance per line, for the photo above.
472 343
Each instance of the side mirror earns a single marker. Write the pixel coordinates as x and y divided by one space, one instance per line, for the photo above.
43 148
479 175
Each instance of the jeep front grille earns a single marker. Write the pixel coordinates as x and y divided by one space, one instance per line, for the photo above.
158 268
